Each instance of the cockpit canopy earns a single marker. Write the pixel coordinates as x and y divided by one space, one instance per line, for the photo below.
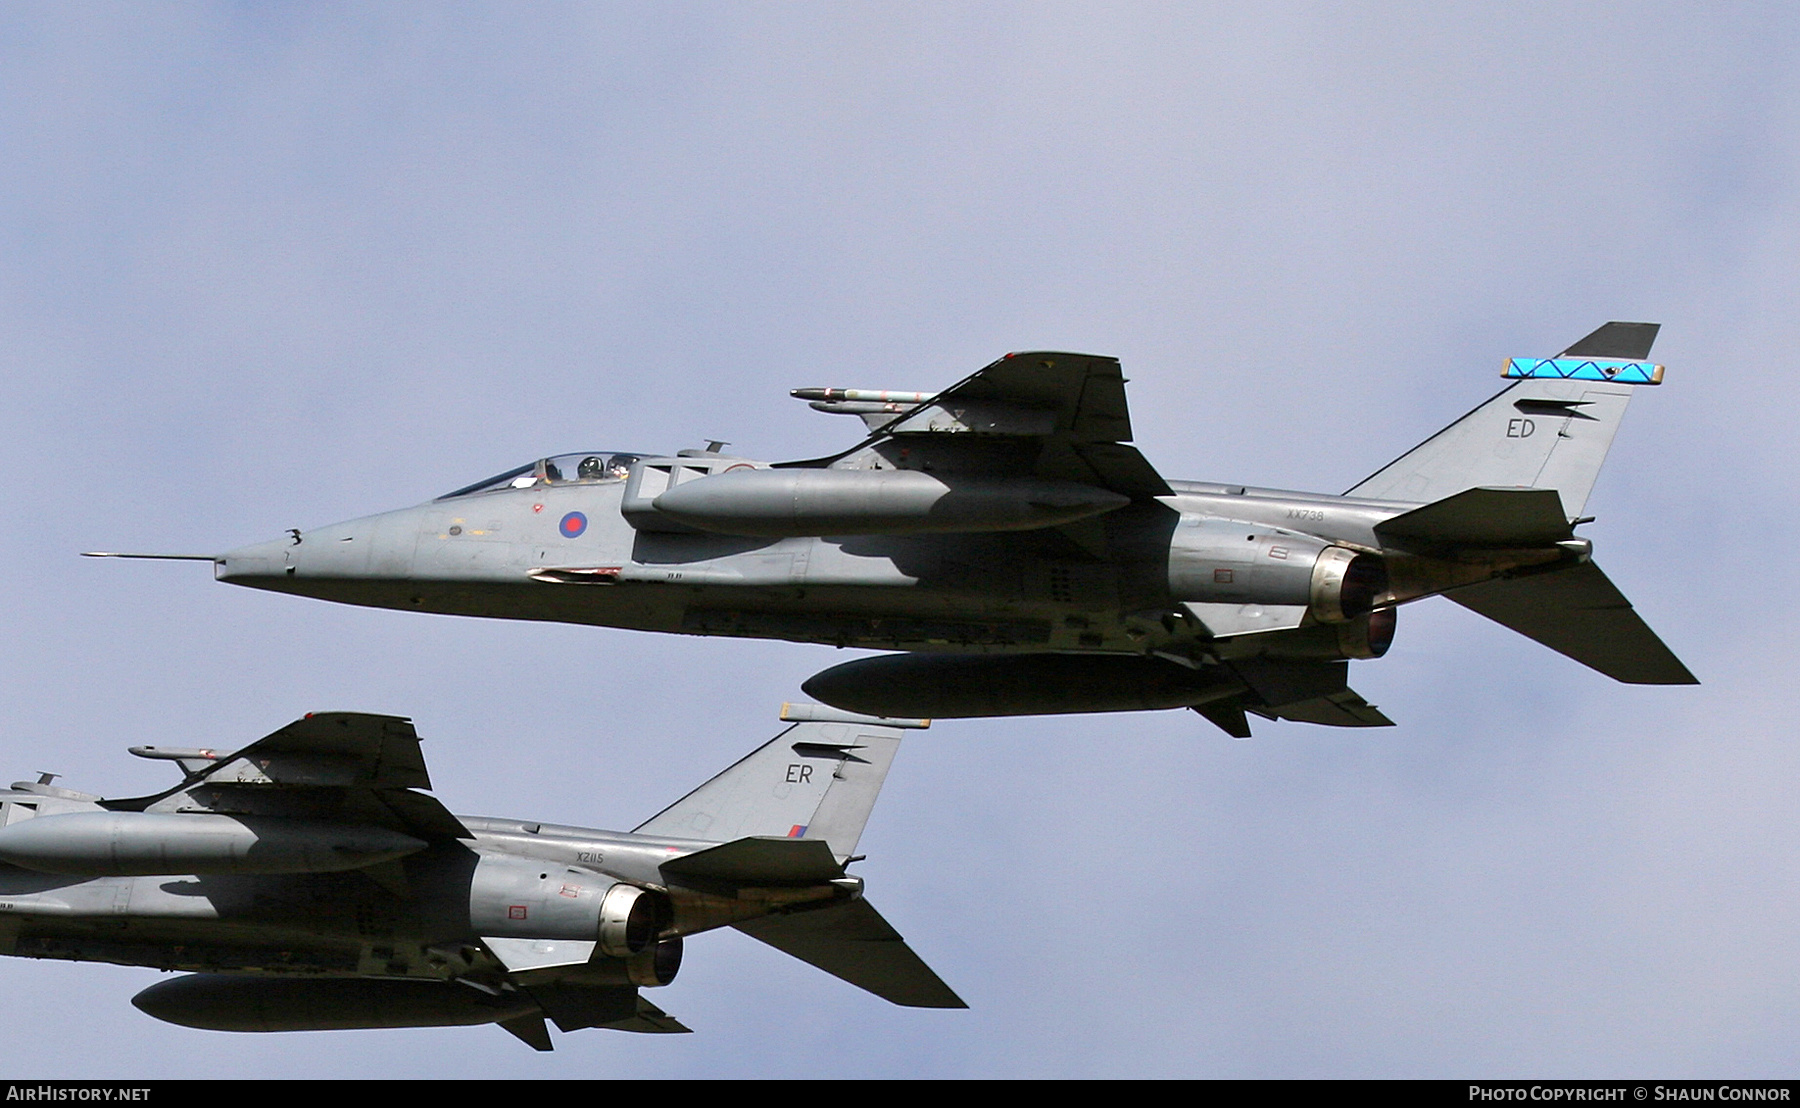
590 467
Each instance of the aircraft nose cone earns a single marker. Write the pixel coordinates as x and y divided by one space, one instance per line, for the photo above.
264 559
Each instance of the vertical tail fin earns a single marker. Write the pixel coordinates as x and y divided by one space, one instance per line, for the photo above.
1549 429
816 780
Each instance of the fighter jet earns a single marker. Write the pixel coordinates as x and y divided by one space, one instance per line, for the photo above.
1005 535
307 883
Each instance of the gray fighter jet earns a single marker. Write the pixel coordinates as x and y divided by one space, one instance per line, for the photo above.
305 883
1004 534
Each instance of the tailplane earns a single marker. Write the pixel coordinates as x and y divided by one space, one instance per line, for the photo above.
1579 614
852 942
1549 429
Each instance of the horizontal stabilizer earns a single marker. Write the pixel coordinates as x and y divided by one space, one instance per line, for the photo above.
1482 517
759 861
1578 613
852 942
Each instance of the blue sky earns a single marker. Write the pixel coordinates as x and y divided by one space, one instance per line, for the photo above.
265 266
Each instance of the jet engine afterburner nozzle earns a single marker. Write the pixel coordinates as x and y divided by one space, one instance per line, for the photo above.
1345 584
663 963
628 920
1367 636
655 965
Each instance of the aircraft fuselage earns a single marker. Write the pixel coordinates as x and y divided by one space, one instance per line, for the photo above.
1111 584
429 925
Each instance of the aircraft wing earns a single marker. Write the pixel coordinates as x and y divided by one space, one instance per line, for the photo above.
351 766
851 941
1071 405
1089 424
332 748
1084 393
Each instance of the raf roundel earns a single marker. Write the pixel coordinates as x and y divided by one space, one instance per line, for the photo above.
573 525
